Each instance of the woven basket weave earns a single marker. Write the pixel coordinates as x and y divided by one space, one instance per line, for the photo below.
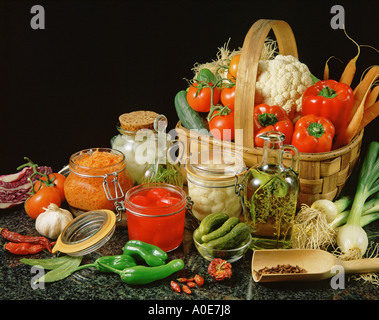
321 175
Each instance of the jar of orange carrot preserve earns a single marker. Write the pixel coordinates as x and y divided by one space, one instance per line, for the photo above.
97 180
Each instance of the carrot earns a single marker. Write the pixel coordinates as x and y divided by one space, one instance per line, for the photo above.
372 97
364 87
350 69
98 159
346 135
369 114
326 68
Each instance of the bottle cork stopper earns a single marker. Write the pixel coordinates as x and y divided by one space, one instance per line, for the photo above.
136 120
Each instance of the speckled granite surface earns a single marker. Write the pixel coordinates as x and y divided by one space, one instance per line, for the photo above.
15 277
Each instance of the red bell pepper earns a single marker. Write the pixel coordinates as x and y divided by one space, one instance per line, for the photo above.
313 134
329 99
268 118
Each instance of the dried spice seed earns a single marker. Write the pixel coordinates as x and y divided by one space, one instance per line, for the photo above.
281 269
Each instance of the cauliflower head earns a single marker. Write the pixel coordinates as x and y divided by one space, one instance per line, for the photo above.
282 82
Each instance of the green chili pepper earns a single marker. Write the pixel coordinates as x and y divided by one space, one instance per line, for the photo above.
144 275
154 250
119 262
145 251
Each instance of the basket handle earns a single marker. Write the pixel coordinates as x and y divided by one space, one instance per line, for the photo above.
248 69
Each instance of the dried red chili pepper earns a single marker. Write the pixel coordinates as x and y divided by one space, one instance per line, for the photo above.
186 289
181 280
220 269
175 286
16 237
199 280
23 248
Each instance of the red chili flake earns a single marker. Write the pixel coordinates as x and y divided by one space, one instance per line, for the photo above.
175 286
199 280
186 289
220 269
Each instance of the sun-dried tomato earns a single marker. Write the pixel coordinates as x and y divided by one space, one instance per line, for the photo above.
220 269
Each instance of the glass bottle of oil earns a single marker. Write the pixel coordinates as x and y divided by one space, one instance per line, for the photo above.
270 193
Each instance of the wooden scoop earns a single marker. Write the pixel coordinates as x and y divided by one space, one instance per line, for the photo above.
318 264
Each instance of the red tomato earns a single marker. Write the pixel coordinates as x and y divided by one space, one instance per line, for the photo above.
233 65
200 100
36 204
222 126
284 126
58 183
140 200
158 193
230 77
167 201
227 97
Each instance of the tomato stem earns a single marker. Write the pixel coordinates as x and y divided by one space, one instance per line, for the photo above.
34 166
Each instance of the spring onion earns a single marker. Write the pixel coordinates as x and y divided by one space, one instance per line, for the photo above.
327 207
317 226
370 211
351 238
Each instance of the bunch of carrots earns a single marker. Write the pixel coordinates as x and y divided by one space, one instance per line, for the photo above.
365 108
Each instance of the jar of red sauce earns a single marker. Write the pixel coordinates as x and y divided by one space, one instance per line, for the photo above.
156 213
97 179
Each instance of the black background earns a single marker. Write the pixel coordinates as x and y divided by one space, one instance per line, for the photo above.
63 88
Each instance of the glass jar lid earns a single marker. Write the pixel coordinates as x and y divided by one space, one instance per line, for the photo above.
215 164
86 233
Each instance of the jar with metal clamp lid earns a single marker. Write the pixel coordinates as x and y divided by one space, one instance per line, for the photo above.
97 180
212 178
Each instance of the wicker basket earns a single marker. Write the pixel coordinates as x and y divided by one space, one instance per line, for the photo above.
321 175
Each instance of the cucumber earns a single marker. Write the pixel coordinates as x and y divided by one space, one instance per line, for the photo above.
189 118
197 236
212 221
223 230
232 239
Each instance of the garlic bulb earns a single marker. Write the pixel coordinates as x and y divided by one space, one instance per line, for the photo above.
52 222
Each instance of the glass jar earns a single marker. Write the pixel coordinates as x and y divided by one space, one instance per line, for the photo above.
270 194
156 214
96 186
212 177
139 150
